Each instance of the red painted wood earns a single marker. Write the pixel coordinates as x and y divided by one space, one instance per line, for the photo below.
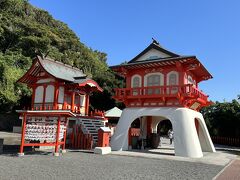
72 101
129 137
23 132
188 93
56 93
86 104
44 96
65 134
57 134
33 96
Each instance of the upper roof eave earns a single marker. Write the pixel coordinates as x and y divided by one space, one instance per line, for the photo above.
54 69
58 69
153 61
204 70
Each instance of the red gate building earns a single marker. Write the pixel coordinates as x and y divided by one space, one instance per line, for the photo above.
162 85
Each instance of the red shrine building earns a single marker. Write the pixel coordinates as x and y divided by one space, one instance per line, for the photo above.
162 85
60 97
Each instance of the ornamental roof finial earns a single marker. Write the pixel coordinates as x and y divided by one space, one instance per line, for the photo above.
155 41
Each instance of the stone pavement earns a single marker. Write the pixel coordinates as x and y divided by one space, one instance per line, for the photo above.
224 157
79 165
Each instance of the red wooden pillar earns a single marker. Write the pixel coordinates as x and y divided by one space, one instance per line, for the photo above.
44 96
23 134
56 92
57 136
72 102
181 73
65 135
33 96
149 125
86 104
65 101
129 138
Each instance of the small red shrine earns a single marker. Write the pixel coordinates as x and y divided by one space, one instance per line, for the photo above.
163 85
59 92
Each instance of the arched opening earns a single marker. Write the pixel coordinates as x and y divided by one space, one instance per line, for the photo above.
202 136
166 133
150 133
163 127
134 134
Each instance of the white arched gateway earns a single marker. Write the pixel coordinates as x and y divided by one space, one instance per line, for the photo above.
169 91
187 141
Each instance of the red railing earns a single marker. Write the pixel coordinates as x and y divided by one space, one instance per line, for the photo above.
50 106
226 141
159 91
79 140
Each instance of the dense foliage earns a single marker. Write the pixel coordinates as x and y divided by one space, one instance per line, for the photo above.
26 31
223 119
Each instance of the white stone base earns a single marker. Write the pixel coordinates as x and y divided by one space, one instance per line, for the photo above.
20 154
55 154
64 151
46 147
102 150
187 142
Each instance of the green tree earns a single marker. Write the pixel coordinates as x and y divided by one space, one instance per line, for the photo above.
26 31
223 119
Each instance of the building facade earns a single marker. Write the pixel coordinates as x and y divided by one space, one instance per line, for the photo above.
163 85
60 94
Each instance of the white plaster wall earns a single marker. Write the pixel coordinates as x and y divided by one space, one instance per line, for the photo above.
61 94
152 52
47 80
186 141
38 95
82 100
49 94
155 121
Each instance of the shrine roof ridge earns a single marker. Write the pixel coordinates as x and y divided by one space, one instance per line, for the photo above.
61 70
61 63
155 60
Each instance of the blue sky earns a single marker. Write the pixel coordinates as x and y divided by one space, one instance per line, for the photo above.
208 29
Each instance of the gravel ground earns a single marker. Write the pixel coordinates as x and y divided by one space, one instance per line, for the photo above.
78 165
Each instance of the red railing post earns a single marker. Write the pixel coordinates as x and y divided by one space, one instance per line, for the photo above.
57 135
23 133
